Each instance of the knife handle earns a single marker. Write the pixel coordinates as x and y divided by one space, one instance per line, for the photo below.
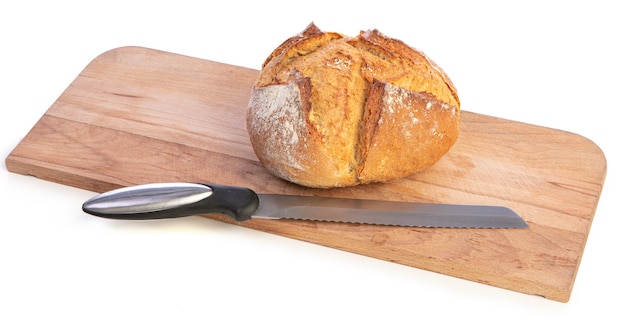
236 202
170 200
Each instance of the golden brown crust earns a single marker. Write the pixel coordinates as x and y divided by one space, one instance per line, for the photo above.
423 74
332 111
411 132
308 32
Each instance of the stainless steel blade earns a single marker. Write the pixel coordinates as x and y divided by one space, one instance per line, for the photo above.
387 212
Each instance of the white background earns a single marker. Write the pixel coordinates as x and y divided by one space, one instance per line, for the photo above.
558 64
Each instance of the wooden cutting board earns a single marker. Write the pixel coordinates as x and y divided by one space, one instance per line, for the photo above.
138 115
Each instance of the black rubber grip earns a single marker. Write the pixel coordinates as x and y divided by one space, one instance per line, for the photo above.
238 203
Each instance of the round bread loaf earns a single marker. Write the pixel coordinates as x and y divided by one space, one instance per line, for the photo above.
333 111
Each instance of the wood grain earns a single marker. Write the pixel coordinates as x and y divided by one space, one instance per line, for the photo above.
137 115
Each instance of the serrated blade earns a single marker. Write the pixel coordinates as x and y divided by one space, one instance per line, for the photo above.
391 213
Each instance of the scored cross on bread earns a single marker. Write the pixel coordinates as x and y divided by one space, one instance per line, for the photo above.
333 111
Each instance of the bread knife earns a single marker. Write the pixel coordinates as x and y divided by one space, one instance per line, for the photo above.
179 199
